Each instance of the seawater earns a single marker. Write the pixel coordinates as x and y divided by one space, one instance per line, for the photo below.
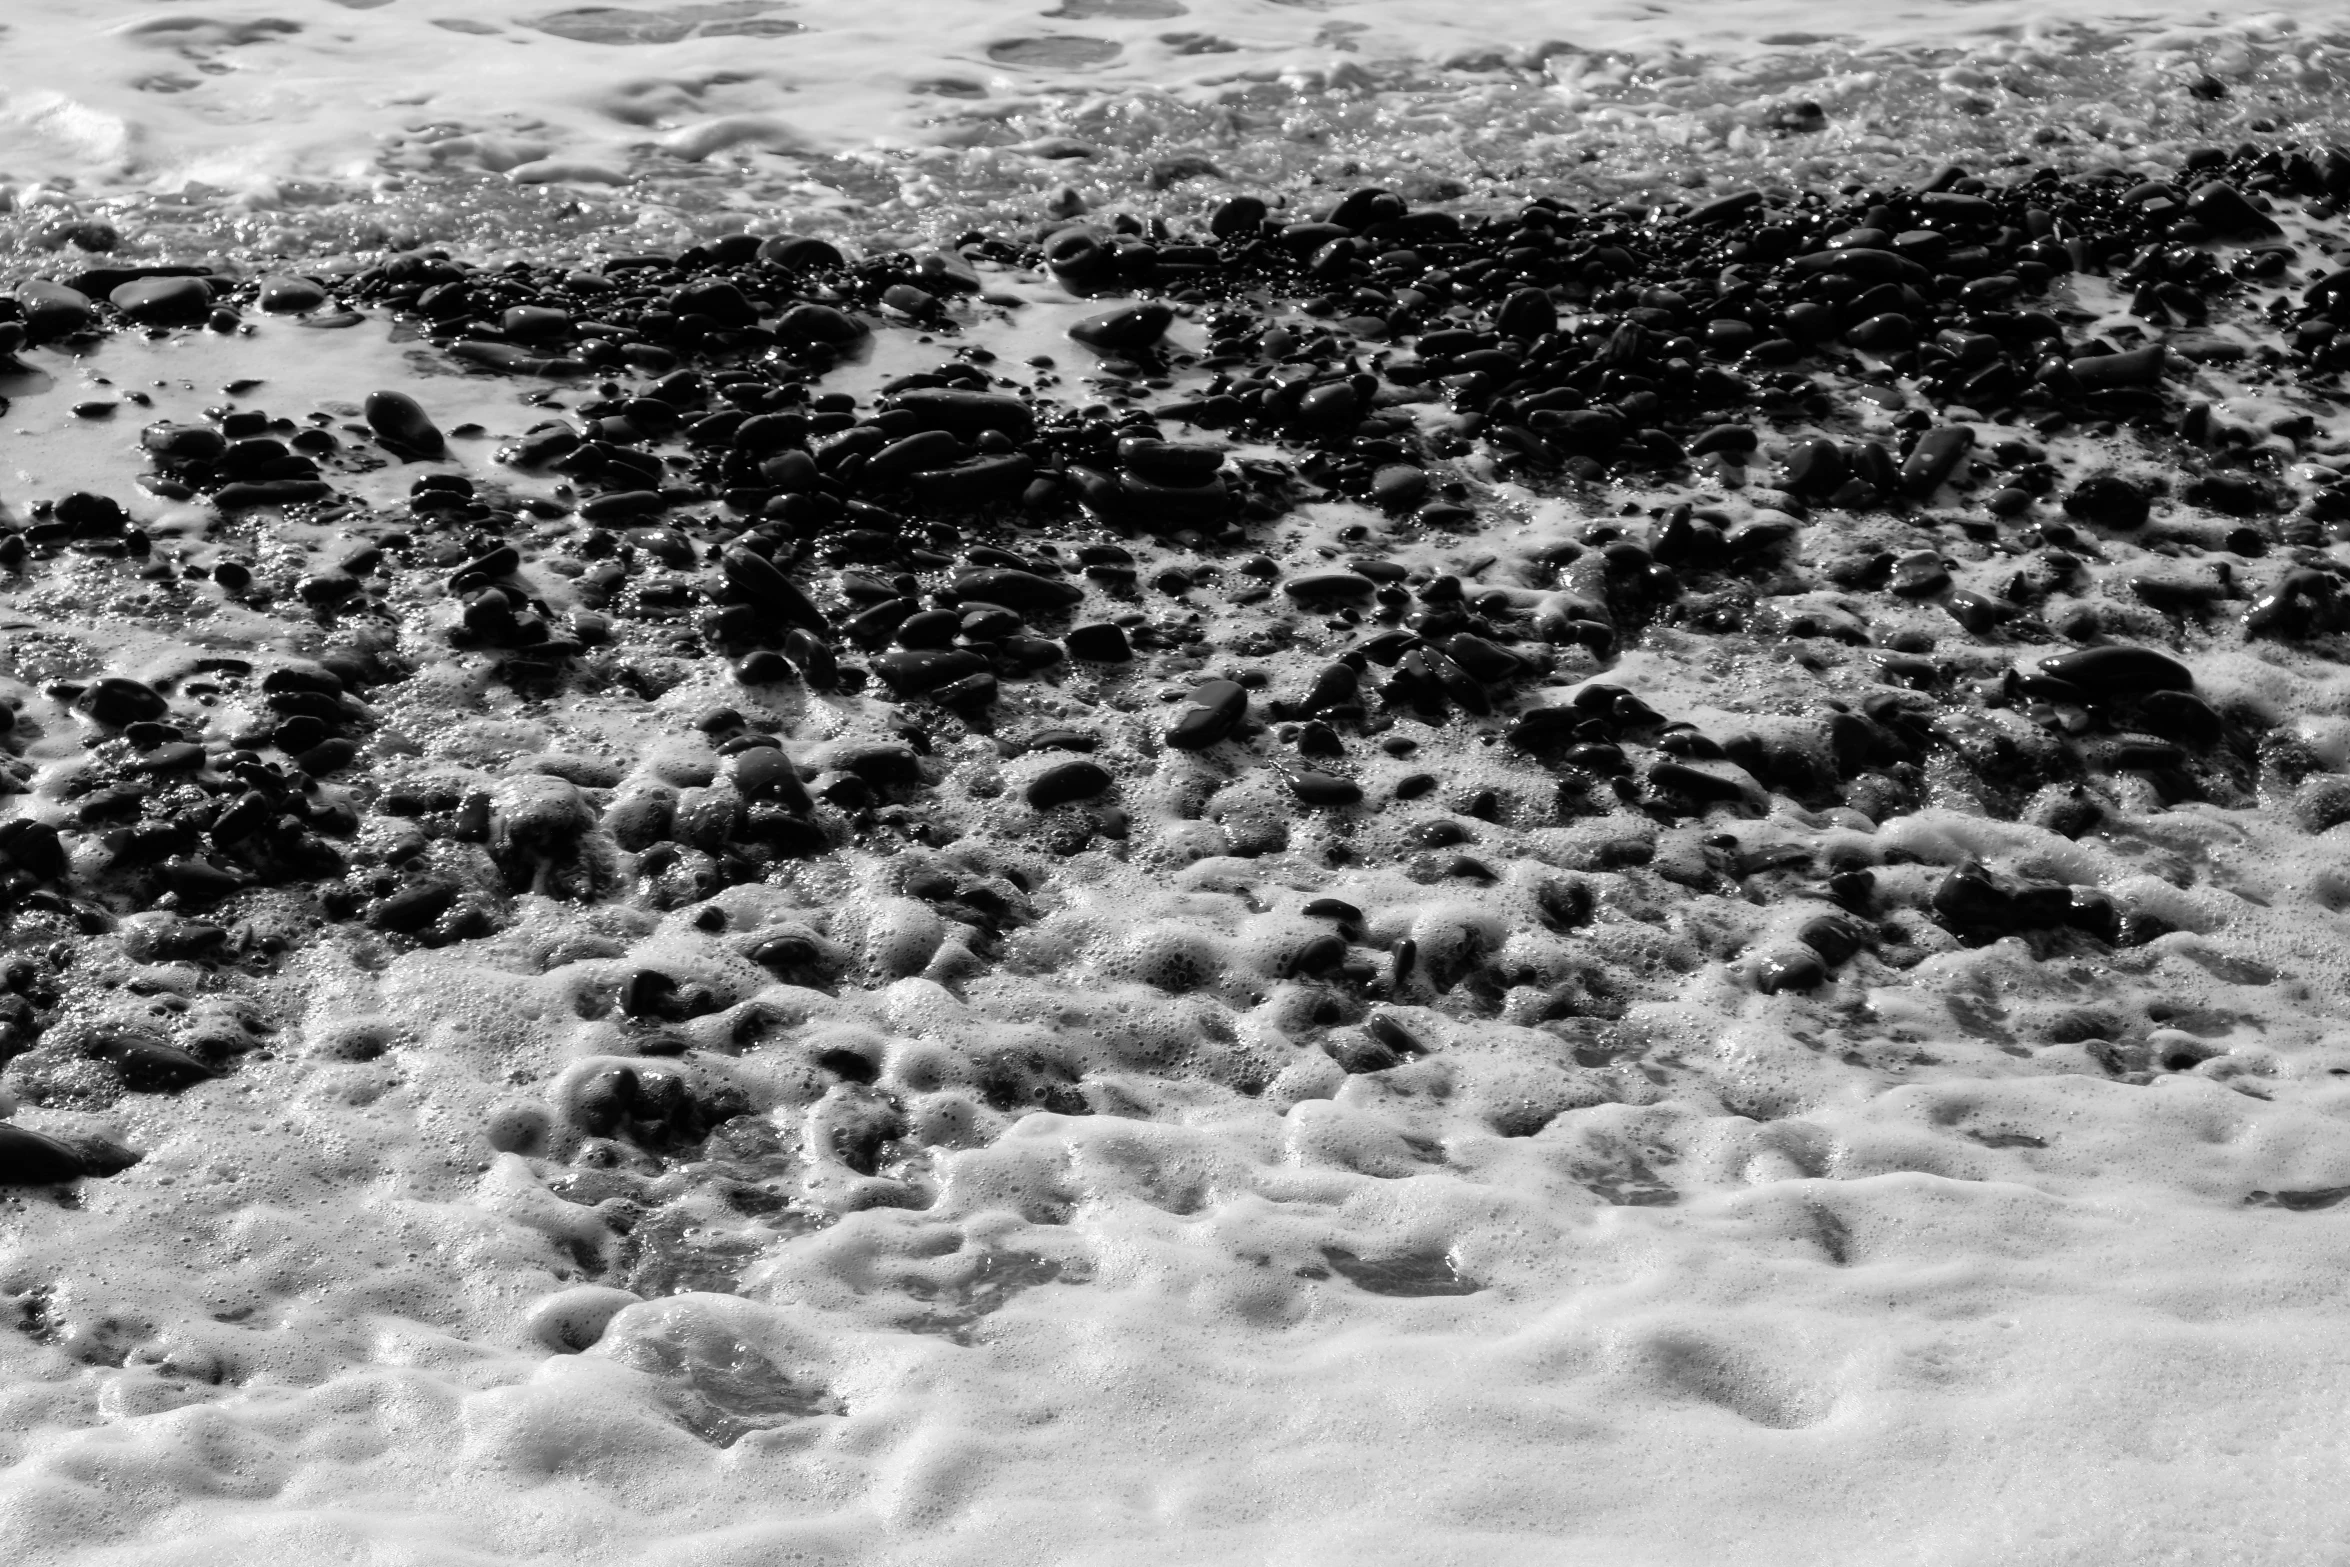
1884 1276
332 124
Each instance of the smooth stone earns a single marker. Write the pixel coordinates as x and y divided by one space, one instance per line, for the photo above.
718 300
1323 789
922 450
164 300
1336 686
2103 673
401 423
281 295
1738 438
2181 716
917 672
1528 313
1098 642
1888 333
1328 585
1935 457
1815 466
415 907
1067 782
967 414
982 481
1799 969
757 580
813 323
2105 372
1169 462
117 700
765 773
30 1158
1215 709
2108 502
1018 590
1398 487
1134 327
1483 660
1710 788
52 310
929 628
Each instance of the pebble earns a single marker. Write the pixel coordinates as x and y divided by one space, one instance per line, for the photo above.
723 498
164 301
401 423
1213 711
1066 783
30 1158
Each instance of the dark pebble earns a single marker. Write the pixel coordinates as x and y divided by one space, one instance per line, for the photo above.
1067 782
30 1158
401 423
164 301
757 580
1098 642
1328 586
1322 789
1023 591
2105 673
1212 713
2108 502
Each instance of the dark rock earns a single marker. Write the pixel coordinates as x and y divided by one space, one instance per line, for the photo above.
1322 789
1815 466
1213 712
51 310
2106 673
30 1158
1169 462
414 907
1023 591
1067 782
1795 969
1129 330
759 582
1935 457
765 773
2106 372
164 301
794 253
1737 438
967 414
1888 333
1527 314
1098 642
1337 685
2183 717
247 494
1706 788
813 323
913 672
717 299
2108 502
116 700
401 423
283 295
1328 587
2223 209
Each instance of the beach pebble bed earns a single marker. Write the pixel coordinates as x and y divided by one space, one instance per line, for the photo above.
782 777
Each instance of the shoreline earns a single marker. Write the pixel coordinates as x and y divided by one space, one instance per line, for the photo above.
802 846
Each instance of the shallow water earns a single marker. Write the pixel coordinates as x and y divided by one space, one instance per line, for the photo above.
324 125
1904 1269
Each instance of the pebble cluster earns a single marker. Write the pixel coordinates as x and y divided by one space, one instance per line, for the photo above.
1356 555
